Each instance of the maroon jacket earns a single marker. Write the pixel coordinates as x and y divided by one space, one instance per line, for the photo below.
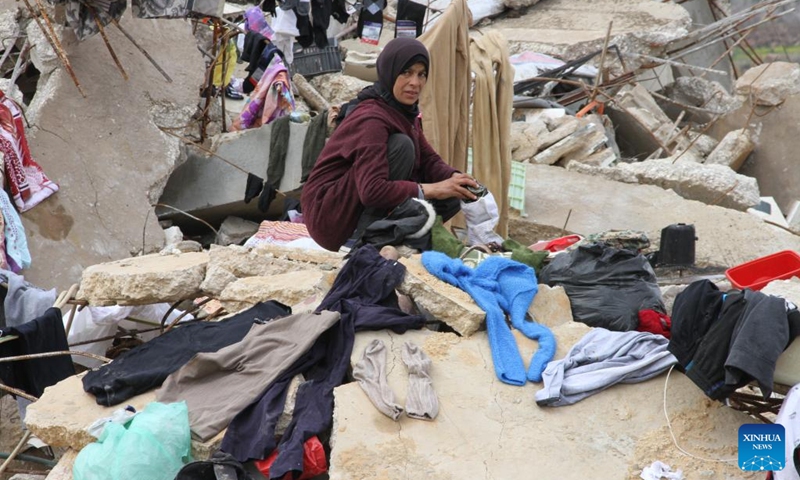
352 172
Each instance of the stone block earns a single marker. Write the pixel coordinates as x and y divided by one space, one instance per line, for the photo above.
525 138
551 306
711 184
227 264
445 302
64 411
235 230
144 280
338 88
769 84
287 288
733 150
583 142
488 429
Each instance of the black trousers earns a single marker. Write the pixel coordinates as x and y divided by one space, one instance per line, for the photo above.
401 163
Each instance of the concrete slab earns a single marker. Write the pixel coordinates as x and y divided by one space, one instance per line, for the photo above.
204 182
725 237
106 151
569 29
487 429
144 280
772 162
64 411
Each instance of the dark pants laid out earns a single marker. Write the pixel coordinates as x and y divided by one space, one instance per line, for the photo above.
401 163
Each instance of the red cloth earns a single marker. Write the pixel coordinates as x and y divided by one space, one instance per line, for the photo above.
654 322
29 184
352 172
314 462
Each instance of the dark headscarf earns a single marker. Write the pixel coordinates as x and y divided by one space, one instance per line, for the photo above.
398 55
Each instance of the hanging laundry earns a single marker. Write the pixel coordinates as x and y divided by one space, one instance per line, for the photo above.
254 186
268 194
29 184
226 64
81 14
413 11
271 99
40 335
278 148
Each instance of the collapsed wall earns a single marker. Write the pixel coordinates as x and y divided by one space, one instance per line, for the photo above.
105 151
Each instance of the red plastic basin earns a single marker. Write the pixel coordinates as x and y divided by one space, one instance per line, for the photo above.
757 273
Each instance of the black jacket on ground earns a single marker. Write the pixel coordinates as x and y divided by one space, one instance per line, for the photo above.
364 294
146 366
724 341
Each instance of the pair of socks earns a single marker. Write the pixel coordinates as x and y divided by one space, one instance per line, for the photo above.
370 372
258 187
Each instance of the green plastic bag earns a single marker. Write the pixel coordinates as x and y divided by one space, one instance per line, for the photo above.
153 446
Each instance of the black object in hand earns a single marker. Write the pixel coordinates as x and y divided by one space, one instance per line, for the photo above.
479 191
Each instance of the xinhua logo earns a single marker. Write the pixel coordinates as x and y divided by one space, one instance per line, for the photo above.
762 447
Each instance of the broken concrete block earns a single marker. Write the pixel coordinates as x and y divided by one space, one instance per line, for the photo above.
704 144
711 184
226 264
235 230
585 141
63 413
9 26
641 126
595 204
210 189
733 150
144 280
601 158
27 476
705 94
525 139
562 29
445 302
173 236
551 306
110 161
769 84
482 422
560 129
337 88
287 288
43 57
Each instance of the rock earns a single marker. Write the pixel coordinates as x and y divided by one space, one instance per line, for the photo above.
551 306
338 88
64 411
173 235
733 150
144 280
592 204
111 161
26 476
560 128
445 302
287 288
235 230
226 264
525 138
585 141
704 144
711 184
769 84
705 94
43 57
641 126
487 429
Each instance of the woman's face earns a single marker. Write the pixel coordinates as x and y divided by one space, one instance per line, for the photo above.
409 83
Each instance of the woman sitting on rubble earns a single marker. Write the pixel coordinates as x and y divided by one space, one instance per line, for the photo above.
378 158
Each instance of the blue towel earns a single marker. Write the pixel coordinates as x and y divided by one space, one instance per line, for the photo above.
500 285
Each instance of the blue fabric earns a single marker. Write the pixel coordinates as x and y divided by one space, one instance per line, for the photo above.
500 285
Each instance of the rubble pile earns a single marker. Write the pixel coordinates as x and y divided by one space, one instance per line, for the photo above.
631 164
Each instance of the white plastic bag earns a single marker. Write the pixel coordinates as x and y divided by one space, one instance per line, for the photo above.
482 217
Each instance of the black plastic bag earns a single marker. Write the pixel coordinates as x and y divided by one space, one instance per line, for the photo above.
221 466
606 286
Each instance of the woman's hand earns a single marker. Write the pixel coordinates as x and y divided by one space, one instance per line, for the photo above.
455 186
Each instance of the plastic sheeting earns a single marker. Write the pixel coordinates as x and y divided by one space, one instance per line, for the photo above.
606 286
